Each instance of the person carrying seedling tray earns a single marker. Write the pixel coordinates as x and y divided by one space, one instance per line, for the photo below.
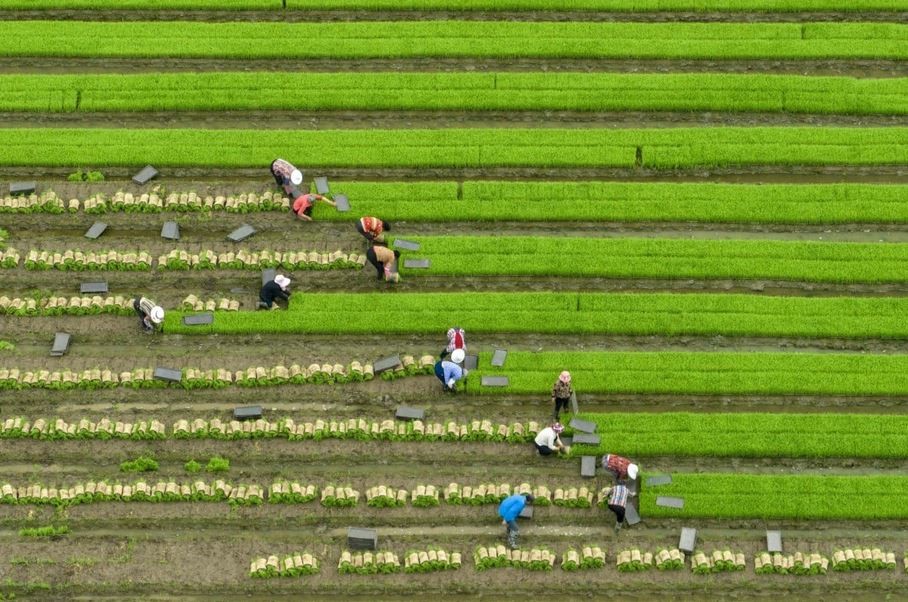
285 173
151 315
509 510
620 467
274 290
303 204
385 262
617 502
449 372
372 228
456 340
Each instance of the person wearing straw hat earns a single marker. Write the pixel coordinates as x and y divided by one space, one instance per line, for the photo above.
285 173
509 510
449 372
151 315
620 467
617 502
273 290
548 440
456 340
561 394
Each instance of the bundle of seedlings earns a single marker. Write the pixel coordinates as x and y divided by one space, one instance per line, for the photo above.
669 560
718 562
432 559
634 560
339 497
46 202
573 497
368 563
293 565
791 564
193 303
284 492
425 496
383 496
589 557
862 559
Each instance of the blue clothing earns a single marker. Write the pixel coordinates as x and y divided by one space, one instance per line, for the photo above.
510 508
451 370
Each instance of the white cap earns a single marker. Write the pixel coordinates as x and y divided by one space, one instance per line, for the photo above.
296 177
632 471
157 314
457 356
451 383
282 281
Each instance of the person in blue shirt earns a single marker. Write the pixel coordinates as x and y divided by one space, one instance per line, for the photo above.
509 510
449 372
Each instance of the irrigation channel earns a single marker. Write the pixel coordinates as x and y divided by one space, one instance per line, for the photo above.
701 211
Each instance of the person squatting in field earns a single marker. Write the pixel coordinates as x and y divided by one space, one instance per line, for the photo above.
548 440
509 510
372 228
274 290
303 204
456 340
385 262
561 394
449 372
150 314
285 173
620 467
617 502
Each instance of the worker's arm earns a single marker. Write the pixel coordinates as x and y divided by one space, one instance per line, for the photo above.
326 199
303 216
282 294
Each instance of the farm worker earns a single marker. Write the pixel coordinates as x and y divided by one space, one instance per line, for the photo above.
285 173
456 340
548 440
372 228
151 315
302 205
449 372
617 502
561 394
509 510
620 467
384 260
273 290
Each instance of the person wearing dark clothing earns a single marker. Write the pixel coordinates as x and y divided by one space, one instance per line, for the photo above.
561 394
617 502
509 510
274 290
384 260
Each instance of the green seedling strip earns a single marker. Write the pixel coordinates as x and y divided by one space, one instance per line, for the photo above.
470 5
664 258
570 313
457 148
751 435
815 497
700 373
396 91
455 39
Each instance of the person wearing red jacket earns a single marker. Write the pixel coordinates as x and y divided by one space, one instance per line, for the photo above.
456 340
372 228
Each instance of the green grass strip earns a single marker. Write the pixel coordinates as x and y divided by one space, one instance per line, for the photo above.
594 201
456 148
411 39
471 5
570 313
745 435
92 92
664 258
701 373
806 497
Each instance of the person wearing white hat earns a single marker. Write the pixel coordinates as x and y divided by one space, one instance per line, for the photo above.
561 394
285 173
620 467
273 290
151 315
449 372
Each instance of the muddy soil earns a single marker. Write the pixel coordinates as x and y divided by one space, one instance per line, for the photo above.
854 68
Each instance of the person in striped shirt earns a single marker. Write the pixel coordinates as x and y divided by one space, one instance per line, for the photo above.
617 502
285 173
372 228
151 315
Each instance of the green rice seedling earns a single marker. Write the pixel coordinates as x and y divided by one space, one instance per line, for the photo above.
218 464
192 467
140 464
48 531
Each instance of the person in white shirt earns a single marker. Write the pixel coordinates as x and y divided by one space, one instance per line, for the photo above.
548 440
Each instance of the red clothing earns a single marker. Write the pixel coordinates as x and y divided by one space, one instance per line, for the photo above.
372 225
616 464
303 202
